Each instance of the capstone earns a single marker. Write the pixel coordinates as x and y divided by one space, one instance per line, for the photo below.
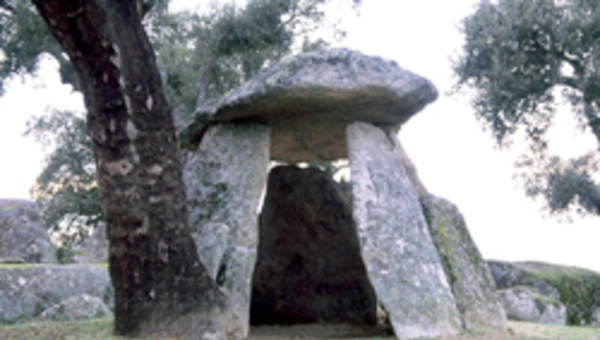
308 100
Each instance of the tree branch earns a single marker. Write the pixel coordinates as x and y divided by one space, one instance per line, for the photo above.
568 81
573 62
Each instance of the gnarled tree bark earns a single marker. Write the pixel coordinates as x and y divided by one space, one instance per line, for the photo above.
160 285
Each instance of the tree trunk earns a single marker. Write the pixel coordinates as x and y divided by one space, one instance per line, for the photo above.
160 285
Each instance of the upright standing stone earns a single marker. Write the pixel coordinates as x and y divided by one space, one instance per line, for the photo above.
402 262
225 178
470 278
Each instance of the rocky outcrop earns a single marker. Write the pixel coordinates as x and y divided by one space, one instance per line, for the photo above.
508 275
308 100
225 178
77 308
26 291
309 268
524 304
23 238
94 249
401 260
469 276
577 289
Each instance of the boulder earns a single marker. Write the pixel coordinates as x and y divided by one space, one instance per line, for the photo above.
23 237
225 178
26 291
309 268
401 260
522 303
77 308
595 320
507 275
330 89
94 249
468 274
575 288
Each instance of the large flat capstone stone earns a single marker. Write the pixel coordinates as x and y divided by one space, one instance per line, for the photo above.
308 100
225 178
397 249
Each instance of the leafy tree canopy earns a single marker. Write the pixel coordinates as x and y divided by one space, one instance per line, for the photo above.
521 58
201 55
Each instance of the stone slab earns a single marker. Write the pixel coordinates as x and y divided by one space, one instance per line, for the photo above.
308 99
468 274
225 178
401 260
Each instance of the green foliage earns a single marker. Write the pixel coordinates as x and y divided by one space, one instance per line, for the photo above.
567 186
206 55
578 288
66 189
202 57
23 37
518 56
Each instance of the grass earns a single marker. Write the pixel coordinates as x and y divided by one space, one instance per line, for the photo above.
75 330
555 332
101 329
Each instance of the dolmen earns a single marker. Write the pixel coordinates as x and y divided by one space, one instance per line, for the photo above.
318 107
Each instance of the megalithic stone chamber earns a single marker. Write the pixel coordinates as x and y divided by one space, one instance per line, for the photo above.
323 106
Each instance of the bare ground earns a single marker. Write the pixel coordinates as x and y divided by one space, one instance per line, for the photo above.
102 330
516 331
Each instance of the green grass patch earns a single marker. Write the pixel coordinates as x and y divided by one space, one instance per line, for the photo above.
535 331
75 330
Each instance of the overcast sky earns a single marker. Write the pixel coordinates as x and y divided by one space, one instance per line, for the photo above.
454 157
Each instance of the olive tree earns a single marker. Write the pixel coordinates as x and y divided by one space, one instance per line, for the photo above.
523 59
160 285
201 57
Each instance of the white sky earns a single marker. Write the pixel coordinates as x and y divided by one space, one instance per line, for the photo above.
455 158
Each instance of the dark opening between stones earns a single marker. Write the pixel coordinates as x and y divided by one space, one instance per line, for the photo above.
309 268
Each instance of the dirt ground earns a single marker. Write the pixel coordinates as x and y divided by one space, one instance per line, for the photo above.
309 332
516 331
345 332
102 330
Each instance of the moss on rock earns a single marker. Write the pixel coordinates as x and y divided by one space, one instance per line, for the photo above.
578 289
465 269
